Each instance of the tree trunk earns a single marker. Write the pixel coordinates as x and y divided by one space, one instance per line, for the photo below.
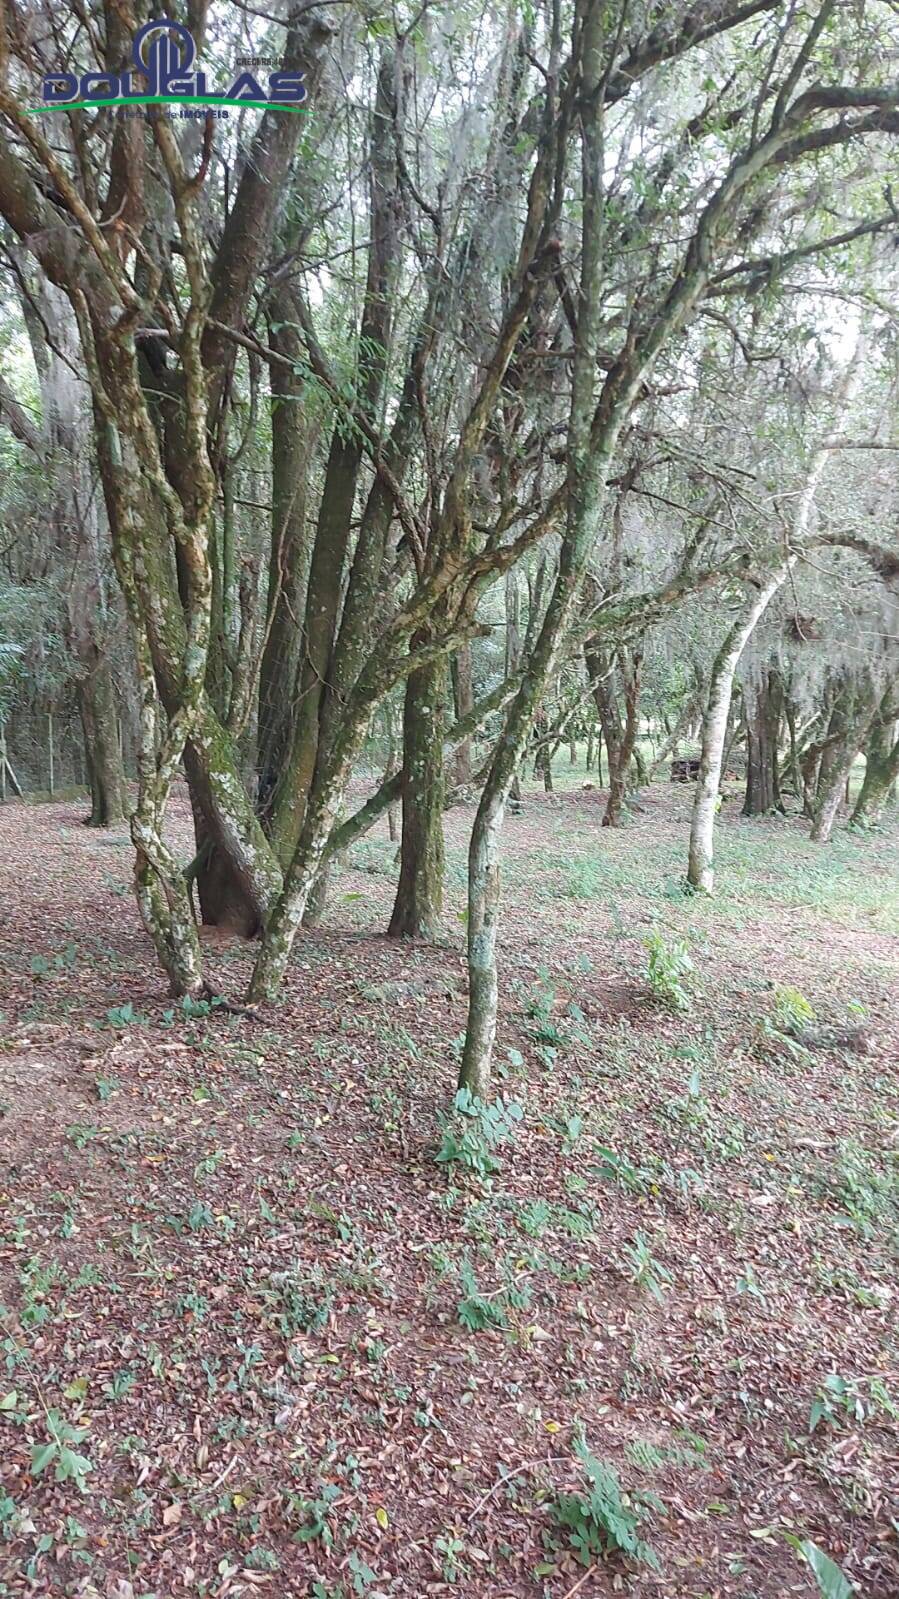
881 766
64 450
293 439
620 734
762 723
850 720
543 761
463 695
419 896
588 456
700 866
97 705
830 794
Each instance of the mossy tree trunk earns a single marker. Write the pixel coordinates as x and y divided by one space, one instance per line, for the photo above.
98 711
881 764
543 760
852 714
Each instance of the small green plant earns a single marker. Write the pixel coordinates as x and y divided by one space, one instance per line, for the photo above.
479 1311
64 961
844 1399
539 1006
361 1573
450 1549
122 1016
620 1169
262 1559
471 1142
691 1108
199 1007
603 1519
782 1032
302 1303
792 1012
570 1127
80 1134
668 971
829 1579
209 1165
866 1188
647 1273
120 1384
314 1515
59 1452
11 1517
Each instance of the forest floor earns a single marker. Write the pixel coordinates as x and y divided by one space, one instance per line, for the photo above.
256 1339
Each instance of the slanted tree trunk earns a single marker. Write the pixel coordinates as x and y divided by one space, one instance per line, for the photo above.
588 455
830 795
881 764
667 747
700 865
849 723
419 896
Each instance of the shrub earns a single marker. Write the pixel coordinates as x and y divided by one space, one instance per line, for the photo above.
668 971
471 1141
792 1011
603 1519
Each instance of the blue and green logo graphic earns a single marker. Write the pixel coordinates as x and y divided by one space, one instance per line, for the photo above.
164 53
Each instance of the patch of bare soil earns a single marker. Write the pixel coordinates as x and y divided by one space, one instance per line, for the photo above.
238 1290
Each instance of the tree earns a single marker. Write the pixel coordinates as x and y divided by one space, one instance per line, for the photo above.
62 447
799 121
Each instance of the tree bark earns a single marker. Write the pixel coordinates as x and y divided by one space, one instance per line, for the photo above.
881 764
463 696
700 865
850 721
293 440
63 446
619 733
419 896
97 706
762 725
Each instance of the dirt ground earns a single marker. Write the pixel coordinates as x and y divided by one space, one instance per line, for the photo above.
256 1338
